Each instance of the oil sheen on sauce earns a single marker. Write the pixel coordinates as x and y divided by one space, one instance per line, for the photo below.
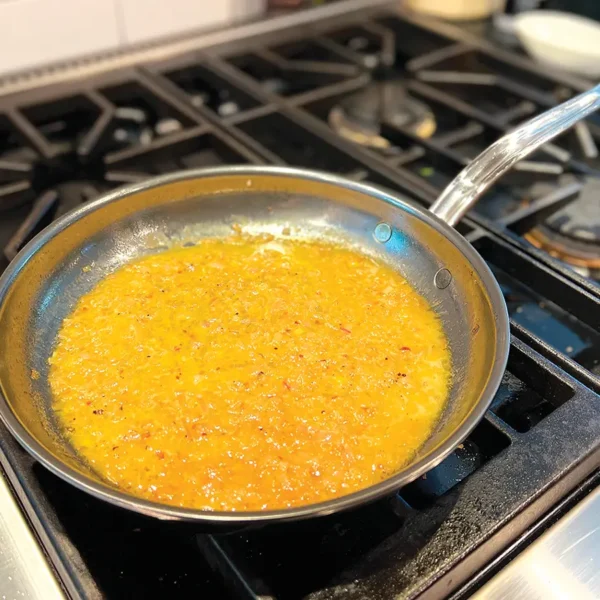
250 373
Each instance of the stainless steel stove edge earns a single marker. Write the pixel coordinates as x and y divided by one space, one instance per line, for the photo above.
563 563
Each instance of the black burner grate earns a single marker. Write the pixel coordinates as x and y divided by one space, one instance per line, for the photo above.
272 103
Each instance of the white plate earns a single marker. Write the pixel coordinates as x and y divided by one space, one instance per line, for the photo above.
559 39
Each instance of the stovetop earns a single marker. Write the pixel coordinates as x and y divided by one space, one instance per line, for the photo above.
329 100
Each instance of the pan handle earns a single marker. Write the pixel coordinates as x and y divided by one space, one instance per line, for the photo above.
468 186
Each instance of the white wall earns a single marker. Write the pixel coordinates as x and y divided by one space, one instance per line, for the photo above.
148 19
38 32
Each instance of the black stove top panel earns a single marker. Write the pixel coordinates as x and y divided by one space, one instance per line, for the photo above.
402 105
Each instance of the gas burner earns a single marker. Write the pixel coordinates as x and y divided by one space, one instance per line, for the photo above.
17 162
139 127
206 89
49 205
572 234
359 117
220 103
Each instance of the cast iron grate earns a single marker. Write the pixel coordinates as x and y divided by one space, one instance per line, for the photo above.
277 74
64 123
544 306
66 149
192 149
523 406
475 97
296 146
205 88
484 442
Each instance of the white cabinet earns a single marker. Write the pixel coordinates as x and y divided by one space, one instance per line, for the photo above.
37 32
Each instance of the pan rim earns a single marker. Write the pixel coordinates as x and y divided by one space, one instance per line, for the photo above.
384 488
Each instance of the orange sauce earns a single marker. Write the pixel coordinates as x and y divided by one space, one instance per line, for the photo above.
250 373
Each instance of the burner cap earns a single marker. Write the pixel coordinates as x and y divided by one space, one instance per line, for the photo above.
580 219
359 116
573 232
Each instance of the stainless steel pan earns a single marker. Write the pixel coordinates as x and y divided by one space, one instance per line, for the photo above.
42 285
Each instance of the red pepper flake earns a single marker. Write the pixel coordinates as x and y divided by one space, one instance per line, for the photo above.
405 349
160 454
88 403
287 385
177 348
344 329
146 435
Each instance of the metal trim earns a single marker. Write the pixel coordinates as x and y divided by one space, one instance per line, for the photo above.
563 563
24 570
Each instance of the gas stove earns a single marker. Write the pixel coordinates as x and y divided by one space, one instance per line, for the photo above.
374 95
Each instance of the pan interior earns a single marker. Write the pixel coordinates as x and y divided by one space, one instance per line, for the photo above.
67 261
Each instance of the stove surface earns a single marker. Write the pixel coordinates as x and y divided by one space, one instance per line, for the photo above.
378 97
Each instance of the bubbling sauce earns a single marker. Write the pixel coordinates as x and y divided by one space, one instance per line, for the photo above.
250 373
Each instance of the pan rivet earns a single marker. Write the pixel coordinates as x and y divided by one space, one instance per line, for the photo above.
383 233
442 279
